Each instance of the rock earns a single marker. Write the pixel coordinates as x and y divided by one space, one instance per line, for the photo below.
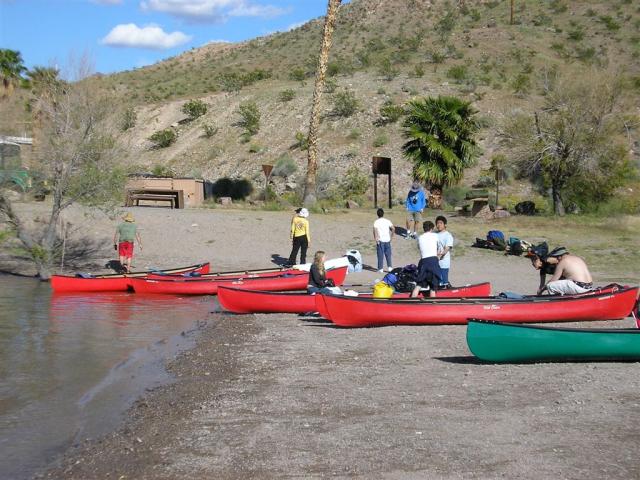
290 186
352 204
501 214
485 212
225 201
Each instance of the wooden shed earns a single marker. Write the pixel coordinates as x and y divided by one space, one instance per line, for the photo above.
181 192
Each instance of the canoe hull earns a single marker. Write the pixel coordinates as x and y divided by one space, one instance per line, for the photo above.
112 282
240 300
357 312
506 342
287 282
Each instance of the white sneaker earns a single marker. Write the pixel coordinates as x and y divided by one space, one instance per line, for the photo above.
389 269
381 270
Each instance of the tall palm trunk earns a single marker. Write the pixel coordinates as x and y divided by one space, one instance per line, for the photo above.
314 122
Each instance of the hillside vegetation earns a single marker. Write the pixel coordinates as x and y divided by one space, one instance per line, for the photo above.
385 53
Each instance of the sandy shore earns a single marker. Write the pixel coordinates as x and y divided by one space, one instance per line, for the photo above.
288 396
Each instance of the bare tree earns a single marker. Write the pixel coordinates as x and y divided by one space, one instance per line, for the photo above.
75 155
512 10
314 122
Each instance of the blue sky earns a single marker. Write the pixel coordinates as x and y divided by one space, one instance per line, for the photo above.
125 34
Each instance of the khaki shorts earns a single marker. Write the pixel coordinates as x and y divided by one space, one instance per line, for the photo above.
414 217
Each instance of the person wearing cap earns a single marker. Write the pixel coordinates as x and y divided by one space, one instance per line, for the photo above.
300 236
123 240
415 204
569 273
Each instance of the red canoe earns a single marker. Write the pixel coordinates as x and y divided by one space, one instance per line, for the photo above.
194 286
231 275
362 312
113 282
241 300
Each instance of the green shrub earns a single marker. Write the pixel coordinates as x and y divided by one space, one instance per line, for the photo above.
129 118
194 108
458 73
577 35
209 130
521 84
163 171
381 140
238 189
302 141
354 183
297 74
354 134
387 70
418 70
345 103
390 112
163 138
285 166
609 23
330 85
286 95
249 118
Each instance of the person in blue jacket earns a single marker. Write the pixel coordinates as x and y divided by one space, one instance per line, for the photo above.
416 203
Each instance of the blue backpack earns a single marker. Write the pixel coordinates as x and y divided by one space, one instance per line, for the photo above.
495 236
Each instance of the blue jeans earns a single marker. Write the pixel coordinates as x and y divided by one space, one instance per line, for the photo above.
444 280
323 290
383 249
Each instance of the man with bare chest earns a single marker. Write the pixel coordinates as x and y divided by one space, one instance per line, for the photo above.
569 273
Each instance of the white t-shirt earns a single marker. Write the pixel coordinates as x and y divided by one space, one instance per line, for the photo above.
446 240
428 244
383 227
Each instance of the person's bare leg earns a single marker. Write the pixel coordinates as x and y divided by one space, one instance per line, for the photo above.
432 293
415 292
128 264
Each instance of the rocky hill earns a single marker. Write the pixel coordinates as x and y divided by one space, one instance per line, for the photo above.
384 52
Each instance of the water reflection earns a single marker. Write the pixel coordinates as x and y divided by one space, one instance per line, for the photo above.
70 363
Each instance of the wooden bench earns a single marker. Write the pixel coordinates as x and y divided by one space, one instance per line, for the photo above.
135 198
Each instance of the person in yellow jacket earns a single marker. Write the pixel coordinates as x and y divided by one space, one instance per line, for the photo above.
300 236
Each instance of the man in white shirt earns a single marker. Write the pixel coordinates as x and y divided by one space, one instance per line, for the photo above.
429 274
383 231
446 244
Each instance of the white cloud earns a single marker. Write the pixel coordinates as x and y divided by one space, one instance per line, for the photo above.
210 11
149 36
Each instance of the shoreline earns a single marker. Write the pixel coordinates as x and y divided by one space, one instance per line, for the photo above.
277 396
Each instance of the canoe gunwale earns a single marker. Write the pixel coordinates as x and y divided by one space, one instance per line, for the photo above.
529 326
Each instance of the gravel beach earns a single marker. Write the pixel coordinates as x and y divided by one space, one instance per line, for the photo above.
288 396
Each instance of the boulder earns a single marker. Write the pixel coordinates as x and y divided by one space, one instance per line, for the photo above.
501 214
225 201
352 204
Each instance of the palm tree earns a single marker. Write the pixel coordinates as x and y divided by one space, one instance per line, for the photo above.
11 69
312 155
440 139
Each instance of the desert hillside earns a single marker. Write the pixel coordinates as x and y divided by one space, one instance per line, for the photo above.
385 53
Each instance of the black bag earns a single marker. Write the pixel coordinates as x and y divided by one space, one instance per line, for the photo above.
406 278
329 282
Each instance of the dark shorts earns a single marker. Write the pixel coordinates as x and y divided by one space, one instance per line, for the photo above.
125 249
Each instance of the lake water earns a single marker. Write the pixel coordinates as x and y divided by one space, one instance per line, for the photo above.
70 365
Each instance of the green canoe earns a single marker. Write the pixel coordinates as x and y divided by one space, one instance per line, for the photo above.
508 342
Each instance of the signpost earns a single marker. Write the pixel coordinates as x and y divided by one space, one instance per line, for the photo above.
382 166
267 173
